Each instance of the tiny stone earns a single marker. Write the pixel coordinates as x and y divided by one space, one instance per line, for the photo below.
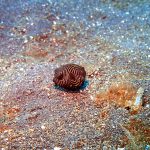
43 127
57 148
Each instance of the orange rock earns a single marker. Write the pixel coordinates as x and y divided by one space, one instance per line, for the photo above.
122 94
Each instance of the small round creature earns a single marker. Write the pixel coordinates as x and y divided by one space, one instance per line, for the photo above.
69 76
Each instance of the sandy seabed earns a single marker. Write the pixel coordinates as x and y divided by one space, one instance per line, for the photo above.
110 39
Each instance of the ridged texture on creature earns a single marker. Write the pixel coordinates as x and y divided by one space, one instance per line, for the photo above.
69 76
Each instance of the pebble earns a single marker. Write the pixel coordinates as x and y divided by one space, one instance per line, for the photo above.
57 148
43 127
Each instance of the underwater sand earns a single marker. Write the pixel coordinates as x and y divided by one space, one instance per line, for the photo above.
110 39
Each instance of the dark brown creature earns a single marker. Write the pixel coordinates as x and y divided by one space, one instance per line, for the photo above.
69 76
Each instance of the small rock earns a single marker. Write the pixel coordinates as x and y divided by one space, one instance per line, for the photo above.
43 127
57 148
